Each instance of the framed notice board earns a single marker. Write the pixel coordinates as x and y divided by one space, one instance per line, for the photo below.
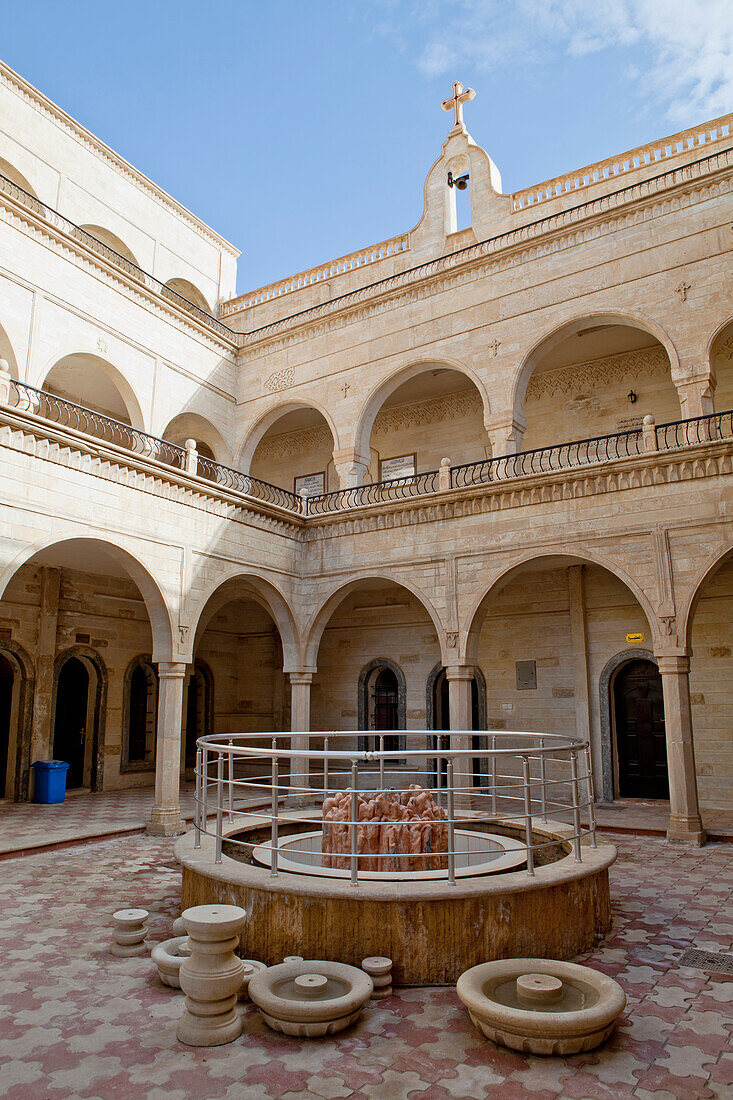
399 466
314 484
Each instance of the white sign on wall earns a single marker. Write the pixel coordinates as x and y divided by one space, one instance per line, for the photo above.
400 466
314 484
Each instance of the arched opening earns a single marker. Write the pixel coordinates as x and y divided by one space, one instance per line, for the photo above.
80 687
140 715
544 635
92 602
296 453
595 377
382 704
437 709
210 443
11 173
7 684
238 648
16 709
190 292
199 709
710 643
640 742
7 353
91 383
111 240
409 426
721 361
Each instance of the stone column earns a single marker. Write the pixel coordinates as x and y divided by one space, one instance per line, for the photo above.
696 396
685 824
460 681
48 611
506 435
579 639
351 467
300 711
165 819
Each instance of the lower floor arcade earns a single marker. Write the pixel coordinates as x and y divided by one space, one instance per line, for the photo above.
558 645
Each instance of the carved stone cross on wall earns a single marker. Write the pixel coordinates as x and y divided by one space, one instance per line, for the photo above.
456 101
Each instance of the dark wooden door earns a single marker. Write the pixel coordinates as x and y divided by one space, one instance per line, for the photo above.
6 708
640 737
69 736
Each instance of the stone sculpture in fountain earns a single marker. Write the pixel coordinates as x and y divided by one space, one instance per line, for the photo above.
396 831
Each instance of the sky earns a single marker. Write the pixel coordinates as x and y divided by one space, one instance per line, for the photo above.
302 130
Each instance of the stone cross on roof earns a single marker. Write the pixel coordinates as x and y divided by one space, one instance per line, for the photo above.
456 101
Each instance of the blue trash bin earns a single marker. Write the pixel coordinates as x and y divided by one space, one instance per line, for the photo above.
50 778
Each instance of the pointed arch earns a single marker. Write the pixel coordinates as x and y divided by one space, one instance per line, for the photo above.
158 612
313 632
559 332
268 419
475 617
383 390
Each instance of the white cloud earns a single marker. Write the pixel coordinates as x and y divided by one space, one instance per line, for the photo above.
688 44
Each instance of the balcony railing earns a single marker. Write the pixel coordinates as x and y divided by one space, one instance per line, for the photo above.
60 222
70 415
580 454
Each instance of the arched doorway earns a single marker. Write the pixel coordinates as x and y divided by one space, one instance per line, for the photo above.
437 711
71 720
7 681
78 706
382 703
641 749
199 709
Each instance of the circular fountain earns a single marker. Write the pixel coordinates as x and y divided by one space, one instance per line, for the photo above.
351 849
310 998
541 1006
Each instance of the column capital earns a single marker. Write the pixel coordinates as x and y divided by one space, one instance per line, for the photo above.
172 670
459 672
673 663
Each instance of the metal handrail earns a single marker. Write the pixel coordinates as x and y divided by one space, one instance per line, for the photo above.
514 779
129 266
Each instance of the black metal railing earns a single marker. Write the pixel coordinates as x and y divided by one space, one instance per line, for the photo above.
578 454
54 218
68 414
542 460
377 492
245 483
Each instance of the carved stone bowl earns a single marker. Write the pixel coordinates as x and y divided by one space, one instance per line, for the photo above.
310 998
541 1006
168 957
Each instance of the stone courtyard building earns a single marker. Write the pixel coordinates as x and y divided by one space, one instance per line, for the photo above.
477 476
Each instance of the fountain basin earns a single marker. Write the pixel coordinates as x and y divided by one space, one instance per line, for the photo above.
168 957
310 998
541 1006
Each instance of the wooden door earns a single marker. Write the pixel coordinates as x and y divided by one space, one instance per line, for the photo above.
640 736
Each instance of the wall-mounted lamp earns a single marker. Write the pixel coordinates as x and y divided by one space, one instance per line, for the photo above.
461 182
632 397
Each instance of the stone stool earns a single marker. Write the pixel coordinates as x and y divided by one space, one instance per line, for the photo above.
379 969
168 956
293 959
129 933
251 967
212 976
179 928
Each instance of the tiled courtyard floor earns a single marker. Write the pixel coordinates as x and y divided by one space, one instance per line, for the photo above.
77 1022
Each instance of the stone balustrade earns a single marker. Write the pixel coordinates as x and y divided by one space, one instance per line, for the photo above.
624 163
341 266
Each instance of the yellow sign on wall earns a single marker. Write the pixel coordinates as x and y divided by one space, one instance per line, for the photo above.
634 637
